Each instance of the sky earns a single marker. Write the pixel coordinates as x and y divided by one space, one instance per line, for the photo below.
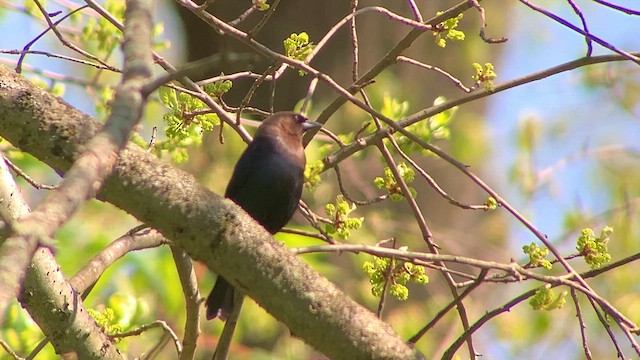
536 43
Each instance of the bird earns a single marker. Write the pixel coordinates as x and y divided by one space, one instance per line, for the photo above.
267 183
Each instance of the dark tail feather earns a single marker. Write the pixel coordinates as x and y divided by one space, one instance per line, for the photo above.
220 300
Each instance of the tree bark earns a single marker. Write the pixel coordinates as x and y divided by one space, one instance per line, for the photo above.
211 229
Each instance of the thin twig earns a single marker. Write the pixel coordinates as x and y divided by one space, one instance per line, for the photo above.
156 324
346 195
56 56
247 98
10 351
256 29
333 137
453 79
585 27
152 141
451 271
189 282
448 354
307 99
24 175
387 281
314 219
353 35
53 76
415 10
318 236
581 324
483 25
224 343
437 187
52 26
617 7
592 37
477 282
389 14
243 16
607 327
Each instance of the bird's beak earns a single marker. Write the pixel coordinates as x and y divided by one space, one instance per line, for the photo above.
308 125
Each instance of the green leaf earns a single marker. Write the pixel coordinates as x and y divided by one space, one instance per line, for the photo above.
491 203
168 97
484 75
208 121
218 88
342 224
448 28
393 108
546 299
437 127
398 273
261 5
594 249
312 174
389 182
298 47
537 255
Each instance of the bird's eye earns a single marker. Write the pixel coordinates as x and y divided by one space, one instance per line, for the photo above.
299 118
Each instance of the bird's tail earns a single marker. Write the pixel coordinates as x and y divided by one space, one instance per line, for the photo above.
220 301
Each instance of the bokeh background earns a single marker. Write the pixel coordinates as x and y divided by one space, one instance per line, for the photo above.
563 150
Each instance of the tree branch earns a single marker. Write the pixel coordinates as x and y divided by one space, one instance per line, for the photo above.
90 169
45 284
211 229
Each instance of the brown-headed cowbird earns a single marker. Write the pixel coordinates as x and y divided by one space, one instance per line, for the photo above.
267 184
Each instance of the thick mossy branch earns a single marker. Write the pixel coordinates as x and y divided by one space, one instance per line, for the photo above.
211 229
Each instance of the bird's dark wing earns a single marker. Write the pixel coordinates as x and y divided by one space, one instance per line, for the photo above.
267 184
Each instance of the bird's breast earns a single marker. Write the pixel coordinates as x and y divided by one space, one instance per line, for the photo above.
271 190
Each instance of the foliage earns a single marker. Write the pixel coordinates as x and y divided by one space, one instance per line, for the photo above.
298 47
546 299
21 333
341 224
484 75
392 108
448 28
537 255
106 319
218 88
261 5
437 127
594 249
101 33
389 182
397 273
312 173
491 203
187 120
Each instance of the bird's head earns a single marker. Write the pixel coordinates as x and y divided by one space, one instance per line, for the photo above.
288 126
